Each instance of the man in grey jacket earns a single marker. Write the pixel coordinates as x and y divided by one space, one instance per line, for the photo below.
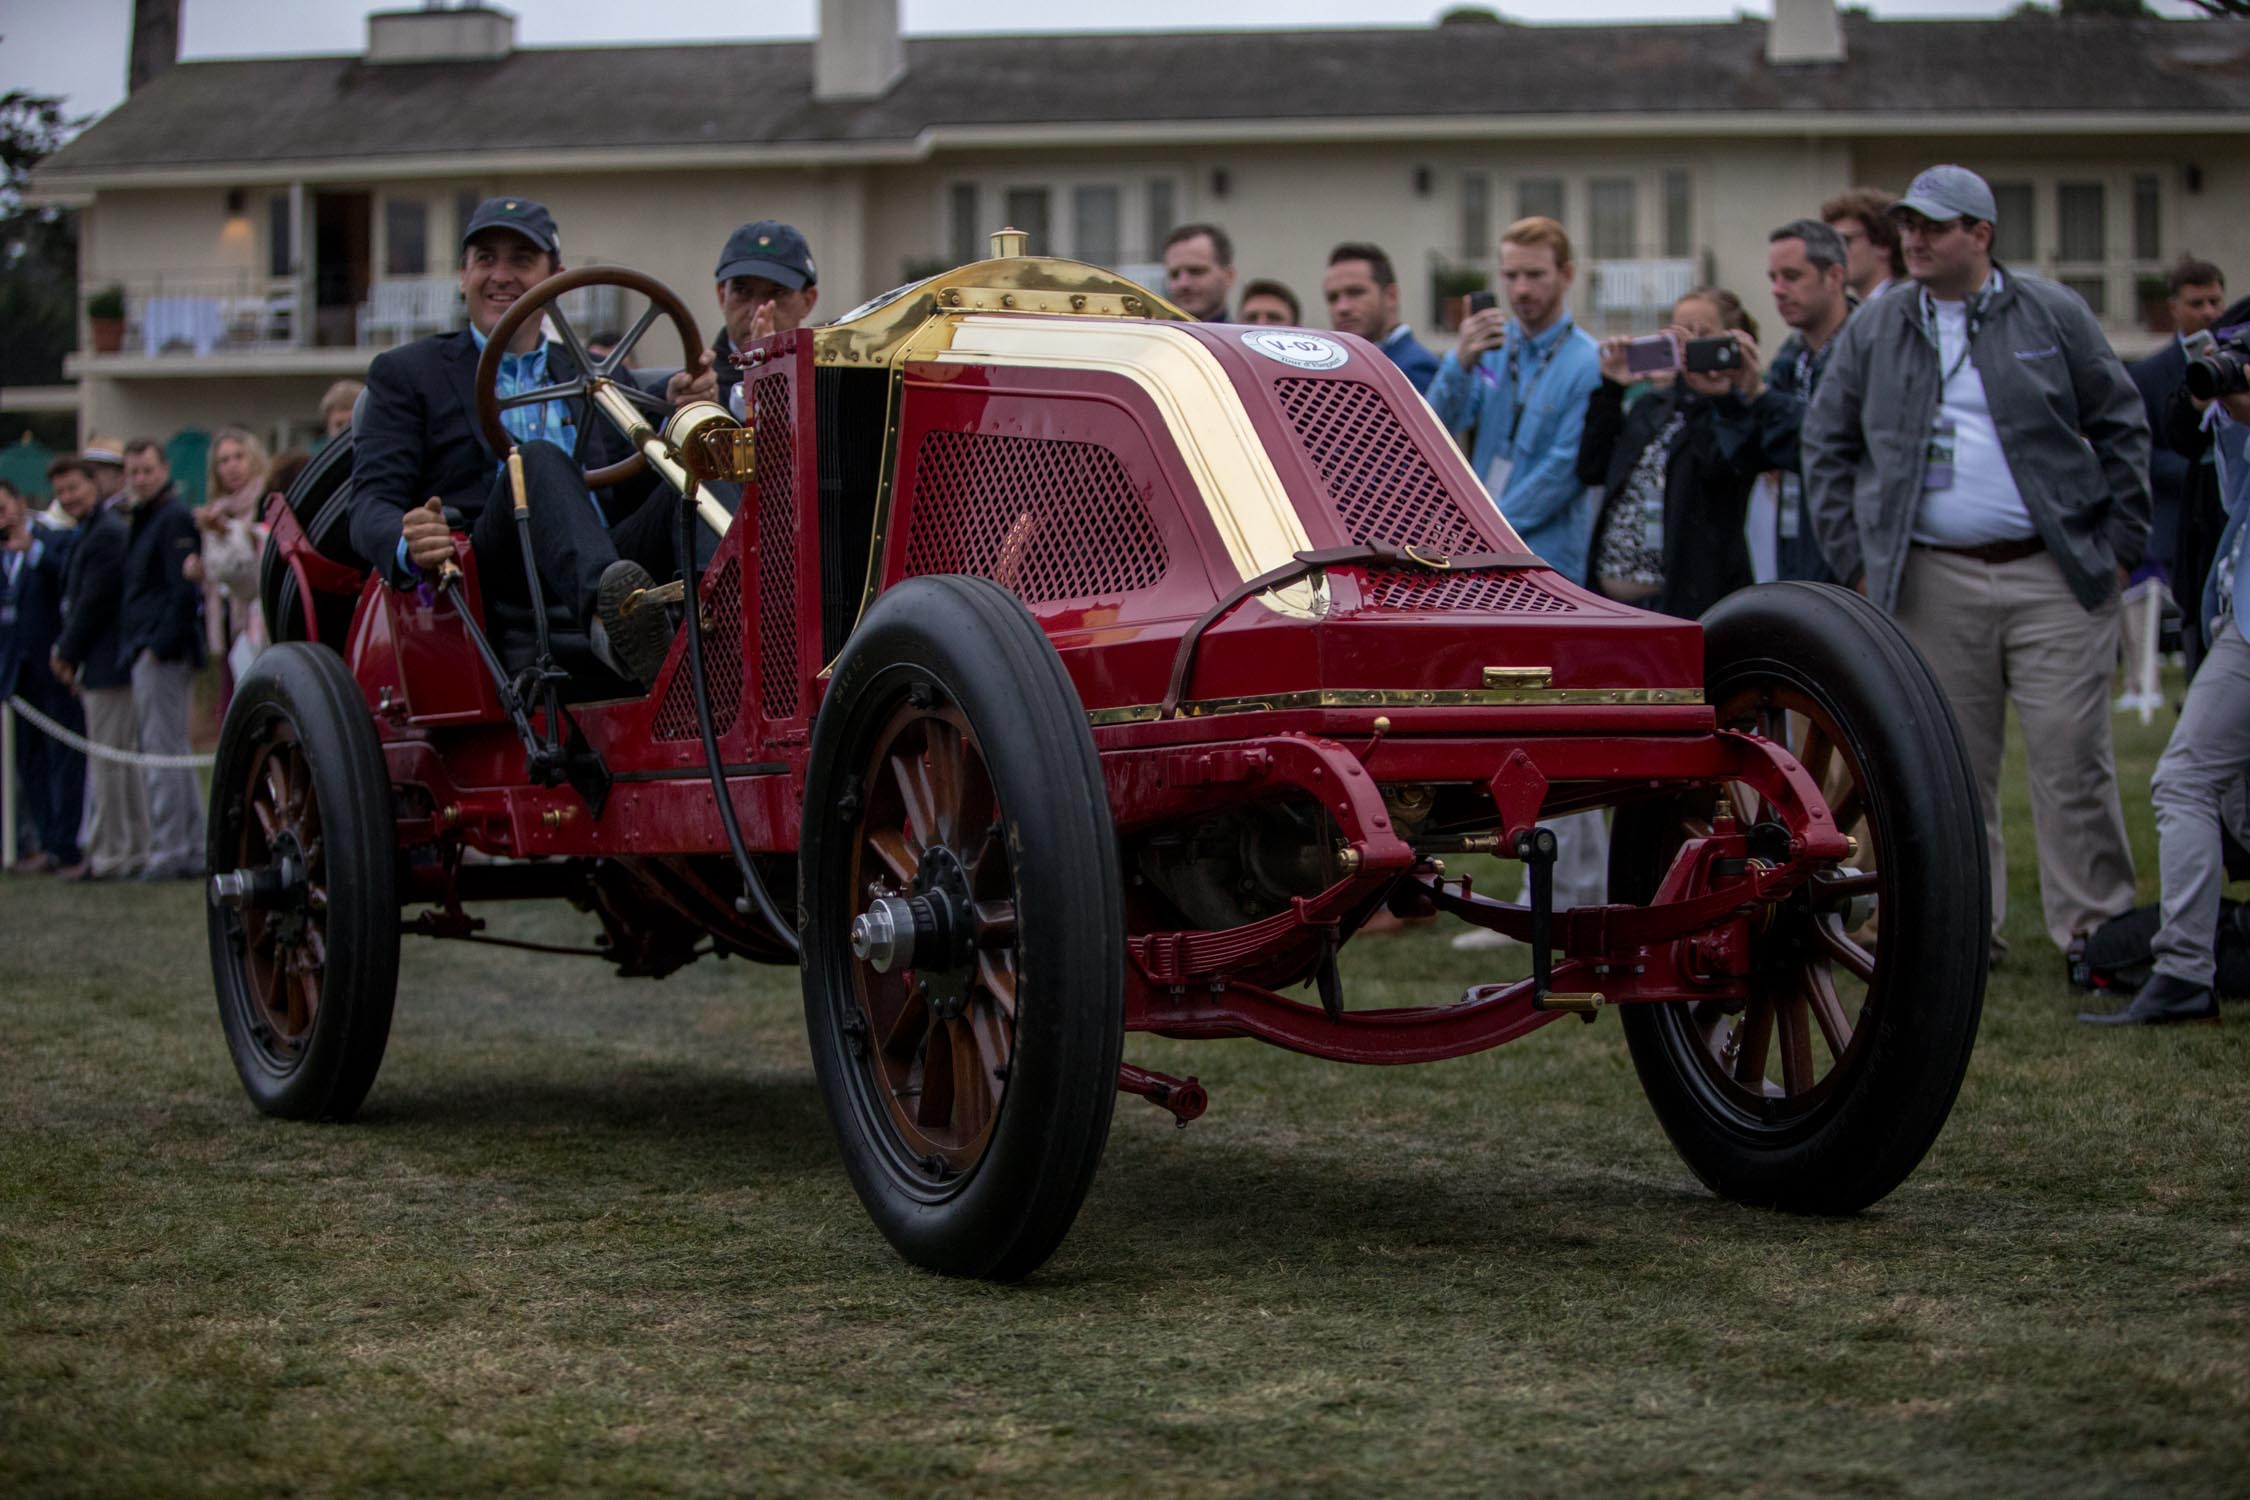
1976 463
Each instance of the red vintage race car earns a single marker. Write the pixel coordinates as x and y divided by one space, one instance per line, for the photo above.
1068 668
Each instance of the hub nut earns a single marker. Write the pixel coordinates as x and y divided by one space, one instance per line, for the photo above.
883 935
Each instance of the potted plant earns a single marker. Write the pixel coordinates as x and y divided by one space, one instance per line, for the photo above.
105 318
2154 293
1449 289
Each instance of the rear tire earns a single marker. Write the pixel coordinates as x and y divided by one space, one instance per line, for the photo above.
1827 1088
307 970
971 1089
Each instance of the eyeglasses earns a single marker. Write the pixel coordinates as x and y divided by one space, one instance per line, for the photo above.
1929 229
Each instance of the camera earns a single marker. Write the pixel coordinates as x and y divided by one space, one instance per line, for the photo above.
2223 371
1711 356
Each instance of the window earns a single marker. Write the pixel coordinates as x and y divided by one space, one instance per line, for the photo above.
1097 219
464 209
2078 223
1540 198
966 237
2095 289
1476 216
406 237
2148 239
1027 211
1163 214
2015 234
281 254
1679 216
1612 230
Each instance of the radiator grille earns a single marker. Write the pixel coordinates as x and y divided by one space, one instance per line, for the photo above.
1383 489
1490 592
721 597
775 421
1043 518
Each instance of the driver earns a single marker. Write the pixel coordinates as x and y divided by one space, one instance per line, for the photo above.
419 449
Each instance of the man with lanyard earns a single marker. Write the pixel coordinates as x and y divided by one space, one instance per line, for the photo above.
1976 463
1805 267
420 451
1517 385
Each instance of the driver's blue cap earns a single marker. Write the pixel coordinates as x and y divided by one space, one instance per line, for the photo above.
524 216
771 249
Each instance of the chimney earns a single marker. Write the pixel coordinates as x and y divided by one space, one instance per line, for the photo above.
156 41
859 53
1804 31
473 33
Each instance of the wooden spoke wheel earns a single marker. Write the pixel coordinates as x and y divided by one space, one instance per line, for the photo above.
964 944
303 915
1826 1086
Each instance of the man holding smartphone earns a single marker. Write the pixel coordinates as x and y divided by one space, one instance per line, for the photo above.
1514 390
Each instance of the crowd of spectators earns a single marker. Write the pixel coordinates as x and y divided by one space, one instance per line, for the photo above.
113 601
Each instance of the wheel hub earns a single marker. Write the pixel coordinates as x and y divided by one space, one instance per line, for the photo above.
277 885
931 930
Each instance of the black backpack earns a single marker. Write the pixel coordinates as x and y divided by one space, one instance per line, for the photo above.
2116 955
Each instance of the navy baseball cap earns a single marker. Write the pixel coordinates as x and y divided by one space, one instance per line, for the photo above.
526 217
770 249
1944 193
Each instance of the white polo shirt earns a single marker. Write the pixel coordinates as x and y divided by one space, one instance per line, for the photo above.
1982 504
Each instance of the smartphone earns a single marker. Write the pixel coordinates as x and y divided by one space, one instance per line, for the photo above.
1483 301
1652 354
1711 356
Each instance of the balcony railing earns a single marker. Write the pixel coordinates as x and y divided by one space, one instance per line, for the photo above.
198 317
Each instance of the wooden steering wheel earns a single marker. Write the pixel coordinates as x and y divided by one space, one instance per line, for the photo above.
546 298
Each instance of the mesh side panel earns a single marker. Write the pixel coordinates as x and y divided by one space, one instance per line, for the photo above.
1492 592
1383 489
721 596
1043 518
776 426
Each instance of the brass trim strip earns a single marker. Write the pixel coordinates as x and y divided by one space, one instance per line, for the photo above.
1526 697
1520 679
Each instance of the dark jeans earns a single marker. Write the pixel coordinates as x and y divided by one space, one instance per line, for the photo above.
568 539
52 775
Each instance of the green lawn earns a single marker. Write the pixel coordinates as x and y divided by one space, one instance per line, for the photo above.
590 1234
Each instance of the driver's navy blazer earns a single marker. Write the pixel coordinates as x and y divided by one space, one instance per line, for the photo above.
418 436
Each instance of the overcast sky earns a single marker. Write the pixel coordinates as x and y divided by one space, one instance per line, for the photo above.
77 48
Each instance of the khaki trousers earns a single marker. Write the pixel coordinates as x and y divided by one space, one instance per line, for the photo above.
117 828
2012 632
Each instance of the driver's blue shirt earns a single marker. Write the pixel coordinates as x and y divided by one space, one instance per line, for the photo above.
547 421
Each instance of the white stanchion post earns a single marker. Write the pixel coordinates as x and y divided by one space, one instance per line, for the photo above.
7 784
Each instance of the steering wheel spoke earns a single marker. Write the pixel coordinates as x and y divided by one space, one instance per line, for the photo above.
567 391
614 361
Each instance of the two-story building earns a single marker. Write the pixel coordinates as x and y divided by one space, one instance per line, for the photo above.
273 223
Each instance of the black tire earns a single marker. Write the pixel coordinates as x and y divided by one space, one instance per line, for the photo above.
321 498
949 680
1823 667
306 969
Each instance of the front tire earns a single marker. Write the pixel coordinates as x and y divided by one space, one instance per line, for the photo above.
970 1082
1825 1089
303 898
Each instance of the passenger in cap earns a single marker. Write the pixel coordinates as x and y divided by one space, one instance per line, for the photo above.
767 284
419 450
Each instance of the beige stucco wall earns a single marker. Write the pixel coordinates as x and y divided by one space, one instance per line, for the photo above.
279 408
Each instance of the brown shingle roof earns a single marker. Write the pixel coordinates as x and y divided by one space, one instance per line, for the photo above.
748 94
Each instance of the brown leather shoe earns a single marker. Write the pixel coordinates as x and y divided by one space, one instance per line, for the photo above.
72 872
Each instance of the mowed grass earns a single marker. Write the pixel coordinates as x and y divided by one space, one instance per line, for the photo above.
590 1235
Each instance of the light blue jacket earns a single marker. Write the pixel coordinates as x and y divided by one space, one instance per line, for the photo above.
1543 500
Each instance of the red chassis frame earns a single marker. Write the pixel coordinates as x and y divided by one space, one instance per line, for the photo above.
1620 719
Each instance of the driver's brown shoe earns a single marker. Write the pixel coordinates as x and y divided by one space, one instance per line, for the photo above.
633 639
